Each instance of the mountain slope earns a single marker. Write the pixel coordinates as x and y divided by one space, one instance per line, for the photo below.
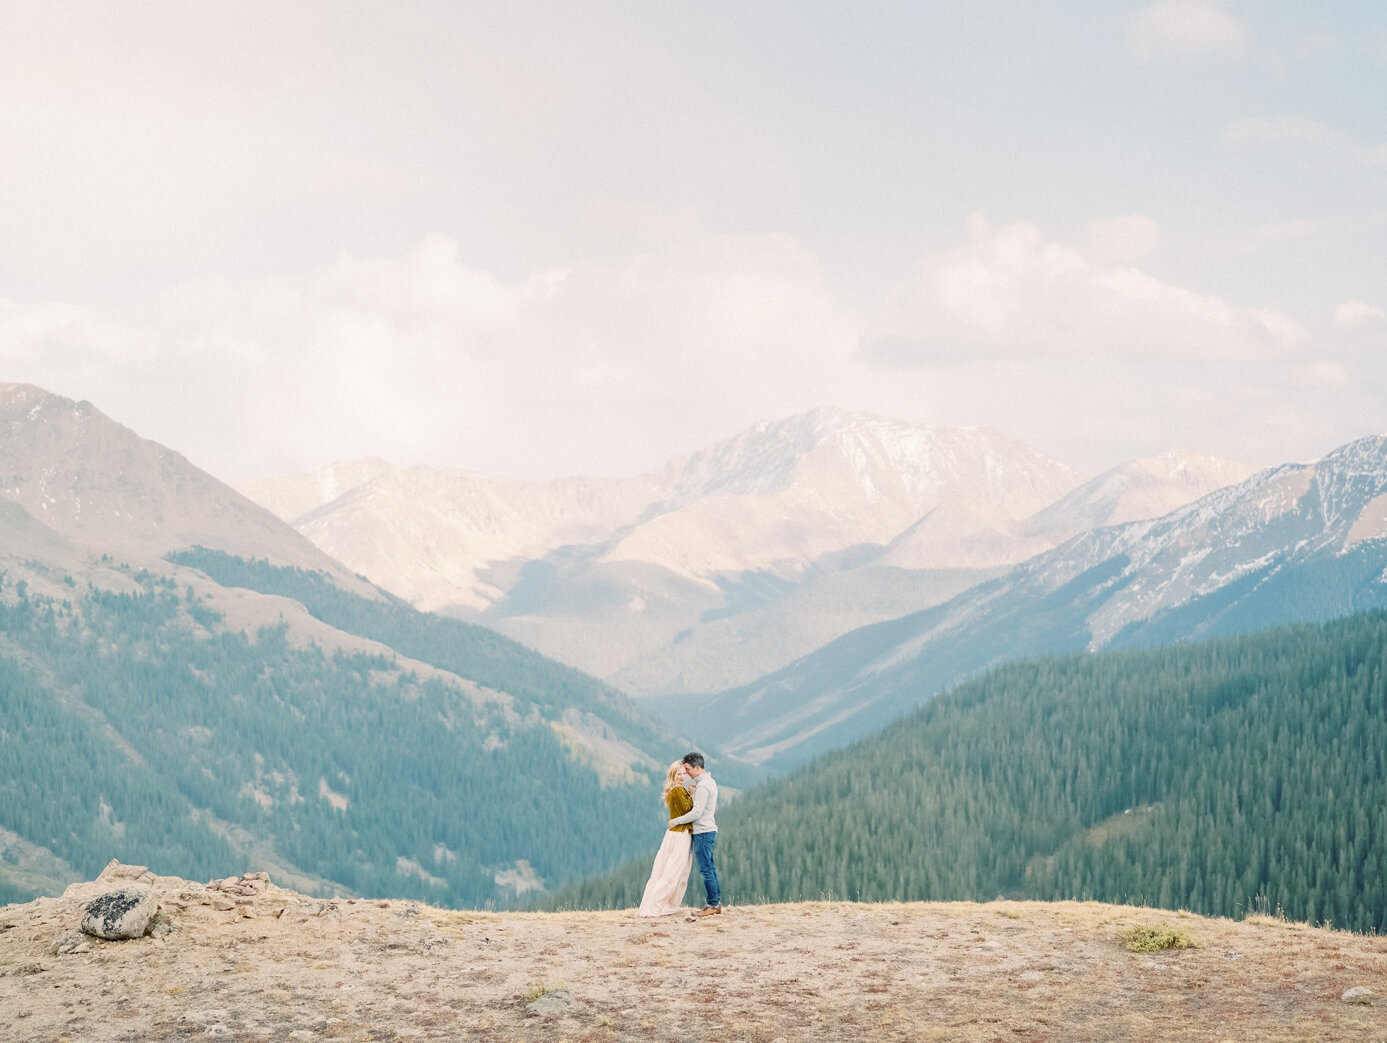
441 539
731 562
781 496
1298 542
763 548
705 573
190 706
292 496
1223 776
1147 488
85 476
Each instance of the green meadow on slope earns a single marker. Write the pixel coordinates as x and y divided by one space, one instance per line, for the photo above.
1243 772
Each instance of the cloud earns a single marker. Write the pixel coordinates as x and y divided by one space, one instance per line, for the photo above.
1013 292
615 367
1356 315
162 139
421 358
1179 30
1284 130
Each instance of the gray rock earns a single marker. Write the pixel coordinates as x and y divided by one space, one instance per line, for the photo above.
205 1018
116 870
70 943
126 913
1358 994
552 1003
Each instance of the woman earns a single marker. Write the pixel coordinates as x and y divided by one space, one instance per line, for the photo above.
664 894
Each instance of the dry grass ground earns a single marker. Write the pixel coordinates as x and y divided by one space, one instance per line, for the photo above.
382 970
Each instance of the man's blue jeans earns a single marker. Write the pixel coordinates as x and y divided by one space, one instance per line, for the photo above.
703 852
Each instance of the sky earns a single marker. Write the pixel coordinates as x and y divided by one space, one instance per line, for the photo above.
539 239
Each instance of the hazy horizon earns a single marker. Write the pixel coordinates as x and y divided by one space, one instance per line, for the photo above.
537 240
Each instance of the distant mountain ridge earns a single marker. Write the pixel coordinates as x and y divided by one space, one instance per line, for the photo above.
1296 543
731 561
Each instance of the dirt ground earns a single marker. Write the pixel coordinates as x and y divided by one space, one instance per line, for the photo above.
383 970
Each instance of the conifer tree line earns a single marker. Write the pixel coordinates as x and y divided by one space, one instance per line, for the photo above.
135 726
1244 773
485 656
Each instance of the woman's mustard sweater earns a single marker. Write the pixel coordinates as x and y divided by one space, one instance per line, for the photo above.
680 803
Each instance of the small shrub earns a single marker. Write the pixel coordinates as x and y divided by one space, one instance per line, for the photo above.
541 988
1146 938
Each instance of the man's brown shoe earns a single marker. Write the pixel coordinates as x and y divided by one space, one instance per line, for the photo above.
710 910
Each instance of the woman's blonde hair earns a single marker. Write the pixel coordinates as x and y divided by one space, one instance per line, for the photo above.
670 777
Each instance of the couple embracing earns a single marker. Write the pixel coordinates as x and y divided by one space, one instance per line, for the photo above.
691 835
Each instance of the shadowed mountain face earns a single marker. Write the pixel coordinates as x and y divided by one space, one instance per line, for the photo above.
1295 543
210 688
733 561
78 472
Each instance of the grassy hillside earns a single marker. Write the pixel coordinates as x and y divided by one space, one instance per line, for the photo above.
465 649
136 725
1244 772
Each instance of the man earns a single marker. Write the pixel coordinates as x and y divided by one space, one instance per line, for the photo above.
705 830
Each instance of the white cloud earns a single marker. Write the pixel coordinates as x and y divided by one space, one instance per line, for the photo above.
1012 291
420 358
1284 130
1178 30
615 367
158 139
1354 315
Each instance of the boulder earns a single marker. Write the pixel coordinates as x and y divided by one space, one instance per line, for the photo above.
117 870
71 942
1358 994
557 1002
126 913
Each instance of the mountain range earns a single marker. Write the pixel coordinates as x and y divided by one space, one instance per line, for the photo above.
1295 543
733 561
188 679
